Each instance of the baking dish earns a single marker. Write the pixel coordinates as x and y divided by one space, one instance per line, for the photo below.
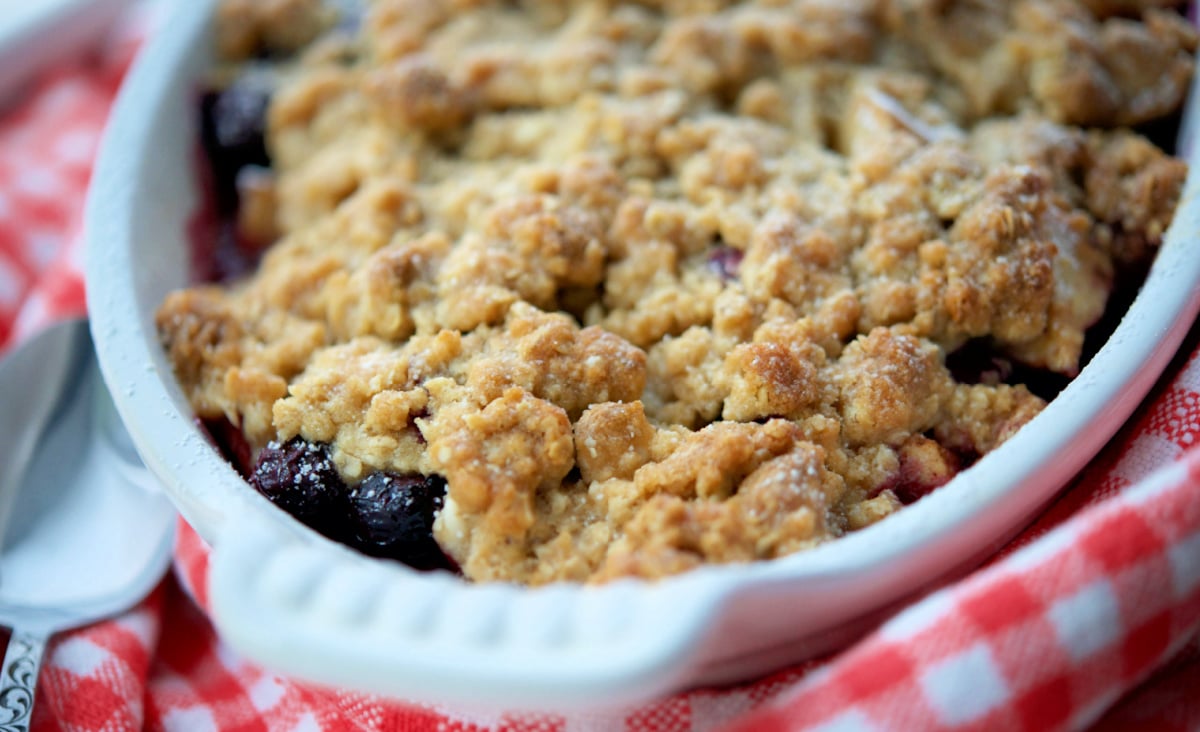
309 607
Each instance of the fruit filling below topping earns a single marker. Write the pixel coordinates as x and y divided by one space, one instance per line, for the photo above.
577 290
384 515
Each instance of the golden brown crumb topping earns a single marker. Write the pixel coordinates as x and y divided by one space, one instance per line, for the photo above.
659 283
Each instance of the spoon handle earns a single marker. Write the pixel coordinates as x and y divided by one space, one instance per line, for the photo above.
22 661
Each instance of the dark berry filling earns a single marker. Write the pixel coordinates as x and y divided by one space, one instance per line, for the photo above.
392 516
301 478
924 466
224 256
978 362
725 262
386 515
232 146
916 481
232 133
232 443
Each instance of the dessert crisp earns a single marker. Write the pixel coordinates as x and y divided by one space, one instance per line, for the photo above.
582 289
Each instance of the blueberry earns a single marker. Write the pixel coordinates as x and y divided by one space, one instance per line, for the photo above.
238 115
300 478
392 516
232 129
725 261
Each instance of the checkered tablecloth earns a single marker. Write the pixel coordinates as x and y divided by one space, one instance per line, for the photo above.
1090 619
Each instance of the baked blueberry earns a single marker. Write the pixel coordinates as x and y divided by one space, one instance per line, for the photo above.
301 478
392 516
233 126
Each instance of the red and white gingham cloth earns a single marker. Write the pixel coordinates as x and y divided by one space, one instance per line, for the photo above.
1092 617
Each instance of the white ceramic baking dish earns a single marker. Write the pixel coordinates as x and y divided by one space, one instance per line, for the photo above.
306 606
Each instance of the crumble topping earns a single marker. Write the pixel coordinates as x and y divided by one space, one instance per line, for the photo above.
653 284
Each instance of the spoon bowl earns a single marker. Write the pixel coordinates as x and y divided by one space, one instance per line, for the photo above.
89 532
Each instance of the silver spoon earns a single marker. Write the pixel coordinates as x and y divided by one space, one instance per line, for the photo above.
85 530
